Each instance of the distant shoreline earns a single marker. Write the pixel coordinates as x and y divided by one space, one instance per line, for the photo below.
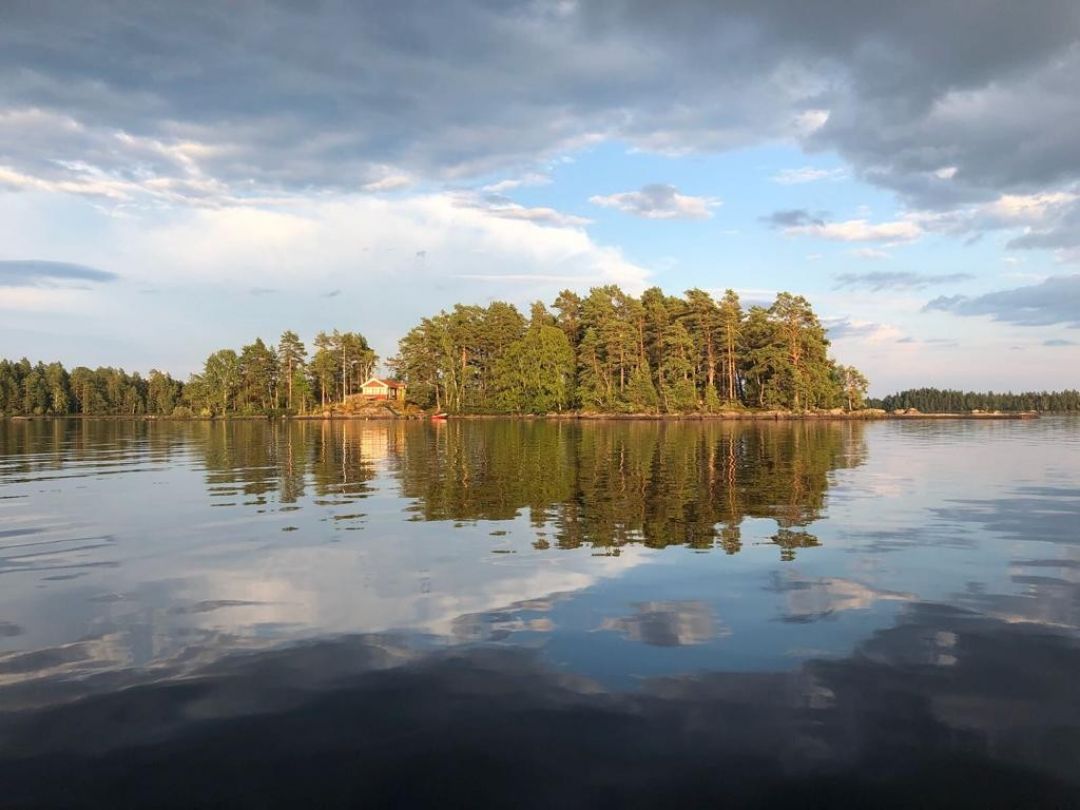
731 416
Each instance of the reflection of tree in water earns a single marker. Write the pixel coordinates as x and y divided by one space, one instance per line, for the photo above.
44 445
602 485
256 458
654 483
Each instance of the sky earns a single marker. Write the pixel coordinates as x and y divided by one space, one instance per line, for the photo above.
181 177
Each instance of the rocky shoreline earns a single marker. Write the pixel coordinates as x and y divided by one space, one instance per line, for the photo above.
725 416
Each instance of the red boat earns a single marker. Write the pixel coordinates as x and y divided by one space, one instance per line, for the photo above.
439 417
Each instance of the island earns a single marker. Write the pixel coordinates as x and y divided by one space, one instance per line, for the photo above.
602 355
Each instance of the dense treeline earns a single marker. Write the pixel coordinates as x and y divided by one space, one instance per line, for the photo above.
259 379
267 379
613 352
936 400
38 389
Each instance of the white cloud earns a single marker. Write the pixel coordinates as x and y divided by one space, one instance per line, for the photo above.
1026 209
501 207
806 174
810 121
524 278
392 182
529 179
873 254
861 331
658 201
860 230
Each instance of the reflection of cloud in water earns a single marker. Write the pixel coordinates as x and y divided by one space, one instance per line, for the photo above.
669 624
944 709
498 626
1049 592
338 590
300 592
110 651
501 624
1050 514
812 598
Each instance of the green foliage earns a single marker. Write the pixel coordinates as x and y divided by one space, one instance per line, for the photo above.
936 400
712 400
607 352
260 379
50 390
536 373
291 355
627 354
852 385
640 395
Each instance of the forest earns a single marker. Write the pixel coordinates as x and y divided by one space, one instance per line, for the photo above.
937 400
606 352
612 352
260 379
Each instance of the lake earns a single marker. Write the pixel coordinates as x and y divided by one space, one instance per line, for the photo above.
538 614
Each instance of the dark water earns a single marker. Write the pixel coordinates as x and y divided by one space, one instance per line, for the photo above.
540 614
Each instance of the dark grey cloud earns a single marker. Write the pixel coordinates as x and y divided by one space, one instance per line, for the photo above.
37 273
877 281
943 101
1061 230
1053 301
794 218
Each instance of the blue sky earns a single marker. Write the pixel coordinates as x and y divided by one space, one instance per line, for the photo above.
333 166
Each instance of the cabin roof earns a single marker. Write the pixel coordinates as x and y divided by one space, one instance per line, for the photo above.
386 383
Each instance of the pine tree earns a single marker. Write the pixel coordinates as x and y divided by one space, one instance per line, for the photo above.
291 354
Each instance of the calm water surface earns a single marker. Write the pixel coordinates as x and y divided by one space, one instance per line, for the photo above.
540 614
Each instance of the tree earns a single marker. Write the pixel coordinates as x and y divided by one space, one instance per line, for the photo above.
291 355
258 377
221 375
163 393
535 374
730 327
35 392
324 367
58 385
630 354
853 384
704 319
806 350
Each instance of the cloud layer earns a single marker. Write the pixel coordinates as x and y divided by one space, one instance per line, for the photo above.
940 101
37 273
1054 301
896 280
